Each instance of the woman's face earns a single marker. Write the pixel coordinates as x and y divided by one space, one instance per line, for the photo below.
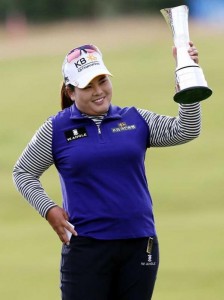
95 98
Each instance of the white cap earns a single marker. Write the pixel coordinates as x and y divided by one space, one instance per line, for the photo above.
82 64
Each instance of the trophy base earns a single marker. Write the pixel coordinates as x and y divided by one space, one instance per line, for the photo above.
192 95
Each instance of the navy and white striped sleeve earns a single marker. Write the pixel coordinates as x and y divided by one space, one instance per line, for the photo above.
35 159
170 131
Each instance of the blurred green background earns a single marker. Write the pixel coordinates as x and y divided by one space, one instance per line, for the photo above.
186 181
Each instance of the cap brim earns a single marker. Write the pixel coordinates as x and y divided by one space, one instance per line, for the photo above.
85 80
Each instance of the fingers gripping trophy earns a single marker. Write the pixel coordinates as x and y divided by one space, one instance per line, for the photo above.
190 80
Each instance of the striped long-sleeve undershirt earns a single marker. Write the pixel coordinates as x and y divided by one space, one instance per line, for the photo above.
37 156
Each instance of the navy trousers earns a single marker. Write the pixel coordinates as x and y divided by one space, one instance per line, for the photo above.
109 269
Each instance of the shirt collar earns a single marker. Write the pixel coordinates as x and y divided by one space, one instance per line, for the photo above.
77 114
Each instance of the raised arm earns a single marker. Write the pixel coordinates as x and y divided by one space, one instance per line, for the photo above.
170 131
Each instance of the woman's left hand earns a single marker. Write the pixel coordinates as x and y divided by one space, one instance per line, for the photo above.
193 52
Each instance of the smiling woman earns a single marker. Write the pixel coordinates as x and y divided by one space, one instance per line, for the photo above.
84 69
95 98
99 151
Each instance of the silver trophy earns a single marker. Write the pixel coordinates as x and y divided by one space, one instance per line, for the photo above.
190 81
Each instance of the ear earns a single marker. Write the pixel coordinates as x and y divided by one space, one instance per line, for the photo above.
70 93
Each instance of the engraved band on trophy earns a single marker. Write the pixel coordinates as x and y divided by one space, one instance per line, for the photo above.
190 80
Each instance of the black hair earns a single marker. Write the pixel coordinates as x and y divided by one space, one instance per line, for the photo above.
65 98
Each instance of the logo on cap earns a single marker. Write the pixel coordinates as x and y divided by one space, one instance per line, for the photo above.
86 62
91 57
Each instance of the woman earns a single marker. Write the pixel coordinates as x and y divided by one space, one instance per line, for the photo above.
110 247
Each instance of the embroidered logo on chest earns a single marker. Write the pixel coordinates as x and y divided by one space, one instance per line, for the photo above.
75 134
123 127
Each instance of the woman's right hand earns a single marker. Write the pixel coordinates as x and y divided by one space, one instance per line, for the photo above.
57 218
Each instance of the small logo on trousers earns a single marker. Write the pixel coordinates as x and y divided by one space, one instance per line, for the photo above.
149 261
